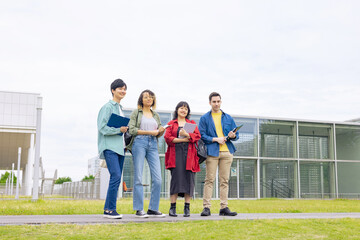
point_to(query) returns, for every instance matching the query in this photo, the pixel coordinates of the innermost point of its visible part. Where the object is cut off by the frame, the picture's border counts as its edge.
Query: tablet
(237, 128)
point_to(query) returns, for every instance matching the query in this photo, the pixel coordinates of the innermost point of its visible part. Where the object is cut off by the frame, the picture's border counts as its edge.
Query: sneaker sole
(157, 216)
(144, 216)
(113, 217)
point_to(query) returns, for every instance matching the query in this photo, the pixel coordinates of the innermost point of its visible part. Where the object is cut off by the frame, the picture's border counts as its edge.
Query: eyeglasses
(148, 97)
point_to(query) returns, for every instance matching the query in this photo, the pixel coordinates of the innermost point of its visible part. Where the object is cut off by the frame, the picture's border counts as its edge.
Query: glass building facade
(280, 158)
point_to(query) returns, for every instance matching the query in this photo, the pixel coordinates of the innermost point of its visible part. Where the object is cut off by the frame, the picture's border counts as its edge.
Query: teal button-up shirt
(108, 137)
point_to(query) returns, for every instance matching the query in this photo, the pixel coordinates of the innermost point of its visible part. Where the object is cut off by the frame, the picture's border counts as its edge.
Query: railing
(87, 190)
(7, 189)
(330, 195)
(278, 189)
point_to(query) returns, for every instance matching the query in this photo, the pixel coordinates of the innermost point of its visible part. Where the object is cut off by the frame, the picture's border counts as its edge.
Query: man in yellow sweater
(216, 131)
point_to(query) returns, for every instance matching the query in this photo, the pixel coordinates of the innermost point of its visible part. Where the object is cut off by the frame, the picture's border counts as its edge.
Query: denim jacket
(208, 132)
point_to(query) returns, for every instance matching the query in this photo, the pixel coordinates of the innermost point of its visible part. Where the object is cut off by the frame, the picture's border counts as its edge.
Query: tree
(62, 180)
(5, 176)
(88, 178)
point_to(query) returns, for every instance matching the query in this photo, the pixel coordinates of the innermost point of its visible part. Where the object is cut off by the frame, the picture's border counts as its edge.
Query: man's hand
(220, 140)
(231, 134)
(123, 129)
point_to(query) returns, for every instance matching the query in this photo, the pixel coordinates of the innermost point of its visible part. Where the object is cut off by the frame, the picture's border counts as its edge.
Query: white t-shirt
(123, 115)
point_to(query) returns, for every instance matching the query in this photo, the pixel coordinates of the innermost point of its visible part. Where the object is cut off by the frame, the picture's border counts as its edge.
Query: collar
(176, 120)
(115, 103)
(140, 110)
(223, 113)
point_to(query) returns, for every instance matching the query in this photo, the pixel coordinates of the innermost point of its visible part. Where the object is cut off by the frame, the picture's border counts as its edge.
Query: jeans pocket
(139, 141)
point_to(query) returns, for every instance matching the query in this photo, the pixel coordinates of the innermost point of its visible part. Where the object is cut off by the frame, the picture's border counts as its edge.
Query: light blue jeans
(145, 146)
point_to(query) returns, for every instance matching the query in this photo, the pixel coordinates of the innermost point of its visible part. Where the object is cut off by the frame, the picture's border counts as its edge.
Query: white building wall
(18, 116)
(18, 109)
(93, 165)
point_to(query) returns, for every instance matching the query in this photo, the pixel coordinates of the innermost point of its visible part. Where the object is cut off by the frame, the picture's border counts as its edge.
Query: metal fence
(83, 190)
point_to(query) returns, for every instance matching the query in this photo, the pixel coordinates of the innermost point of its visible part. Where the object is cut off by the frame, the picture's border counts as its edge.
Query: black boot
(187, 210)
(226, 212)
(172, 211)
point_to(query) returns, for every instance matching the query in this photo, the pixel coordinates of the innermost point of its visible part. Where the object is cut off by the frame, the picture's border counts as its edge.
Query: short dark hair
(214, 94)
(117, 83)
(140, 100)
(179, 105)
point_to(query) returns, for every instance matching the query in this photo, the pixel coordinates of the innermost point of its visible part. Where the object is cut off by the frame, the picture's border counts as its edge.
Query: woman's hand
(185, 139)
(180, 140)
(154, 133)
(161, 131)
(183, 133)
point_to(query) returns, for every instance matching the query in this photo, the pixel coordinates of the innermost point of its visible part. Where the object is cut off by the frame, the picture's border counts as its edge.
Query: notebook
(117, 121)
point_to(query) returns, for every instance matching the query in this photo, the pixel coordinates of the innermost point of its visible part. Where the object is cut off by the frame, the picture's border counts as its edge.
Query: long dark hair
(179, 105)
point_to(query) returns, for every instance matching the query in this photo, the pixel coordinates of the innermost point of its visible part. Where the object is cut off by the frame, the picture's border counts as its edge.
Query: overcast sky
(287, 59)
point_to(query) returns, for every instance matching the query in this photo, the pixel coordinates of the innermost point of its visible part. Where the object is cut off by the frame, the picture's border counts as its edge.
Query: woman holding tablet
(181, 156)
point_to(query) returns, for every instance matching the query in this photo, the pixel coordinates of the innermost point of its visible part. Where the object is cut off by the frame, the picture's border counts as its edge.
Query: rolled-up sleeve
(169, 136)
(133, 129)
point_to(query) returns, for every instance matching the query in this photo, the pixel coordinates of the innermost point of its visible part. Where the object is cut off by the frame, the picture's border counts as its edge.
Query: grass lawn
(226, 229)
(55, 207)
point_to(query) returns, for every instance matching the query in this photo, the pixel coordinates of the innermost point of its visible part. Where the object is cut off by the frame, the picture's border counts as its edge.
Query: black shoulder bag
(127, 136)
(201, 151)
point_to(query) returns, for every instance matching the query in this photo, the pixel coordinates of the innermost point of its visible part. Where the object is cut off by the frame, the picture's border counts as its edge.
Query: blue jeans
(115, 163)
(145, 146)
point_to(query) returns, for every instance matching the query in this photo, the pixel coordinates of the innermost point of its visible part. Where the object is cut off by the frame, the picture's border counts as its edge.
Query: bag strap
(137, 116)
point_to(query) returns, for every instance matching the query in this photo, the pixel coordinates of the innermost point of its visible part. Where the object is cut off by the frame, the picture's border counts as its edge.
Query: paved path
(99, 219)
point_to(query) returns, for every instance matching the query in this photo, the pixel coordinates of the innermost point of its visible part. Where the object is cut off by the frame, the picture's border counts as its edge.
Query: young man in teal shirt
(111, 145)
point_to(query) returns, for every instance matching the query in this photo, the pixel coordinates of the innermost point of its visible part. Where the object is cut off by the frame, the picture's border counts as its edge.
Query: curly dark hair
(140, 100)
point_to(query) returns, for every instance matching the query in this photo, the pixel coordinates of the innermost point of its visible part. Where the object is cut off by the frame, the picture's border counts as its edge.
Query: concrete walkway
(127, 218)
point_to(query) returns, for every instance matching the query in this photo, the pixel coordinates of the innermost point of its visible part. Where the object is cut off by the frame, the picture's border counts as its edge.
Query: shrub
(62, 180)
